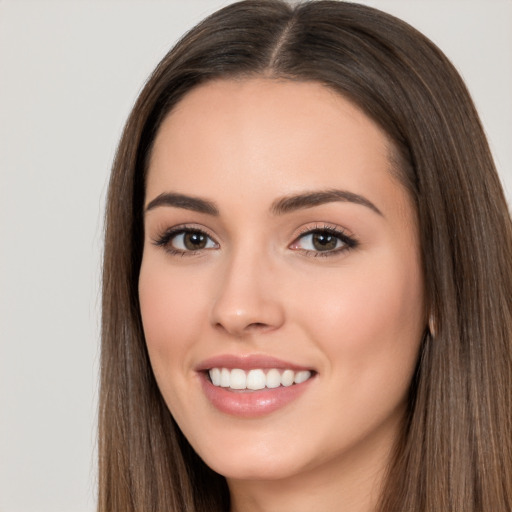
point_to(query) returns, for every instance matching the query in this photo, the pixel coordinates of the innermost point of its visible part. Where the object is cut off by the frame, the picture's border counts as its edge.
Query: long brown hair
(455, 449)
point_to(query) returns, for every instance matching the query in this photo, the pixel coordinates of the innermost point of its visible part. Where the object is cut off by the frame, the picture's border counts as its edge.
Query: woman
(307, 276)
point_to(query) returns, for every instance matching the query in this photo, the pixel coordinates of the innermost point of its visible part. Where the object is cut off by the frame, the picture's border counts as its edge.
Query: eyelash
(349, 242)
(165, 239)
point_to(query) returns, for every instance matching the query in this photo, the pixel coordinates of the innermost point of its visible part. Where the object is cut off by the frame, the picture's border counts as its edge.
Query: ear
(432, 325)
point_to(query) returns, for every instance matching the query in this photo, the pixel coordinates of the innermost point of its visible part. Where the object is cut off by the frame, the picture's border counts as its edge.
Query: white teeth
(215, 376)
(273, 379)
(301, 377)
(257, 378)
(225, 375)
(238, 379)
(287, 378)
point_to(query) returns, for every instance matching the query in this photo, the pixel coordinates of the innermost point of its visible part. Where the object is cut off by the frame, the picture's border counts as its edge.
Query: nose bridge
(245, 300)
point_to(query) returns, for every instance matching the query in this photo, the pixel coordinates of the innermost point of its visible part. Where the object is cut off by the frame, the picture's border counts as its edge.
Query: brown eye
(321, 241)
(187, 241)
(194, 240)
(324, 241)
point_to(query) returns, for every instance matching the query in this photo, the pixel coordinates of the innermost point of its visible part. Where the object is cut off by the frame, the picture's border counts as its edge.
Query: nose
(247, 300)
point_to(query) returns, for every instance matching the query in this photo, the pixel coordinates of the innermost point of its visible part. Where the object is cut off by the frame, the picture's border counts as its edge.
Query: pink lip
(247, 362)
(250, 404)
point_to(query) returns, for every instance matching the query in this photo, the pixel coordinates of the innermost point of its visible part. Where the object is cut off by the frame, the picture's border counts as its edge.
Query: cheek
(172, 310)
(370, 327)
(371, 316)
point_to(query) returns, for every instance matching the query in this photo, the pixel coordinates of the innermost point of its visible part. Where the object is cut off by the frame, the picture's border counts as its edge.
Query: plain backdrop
(69, 74)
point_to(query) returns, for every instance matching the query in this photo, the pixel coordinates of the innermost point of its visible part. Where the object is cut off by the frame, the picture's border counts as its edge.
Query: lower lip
(252, 404)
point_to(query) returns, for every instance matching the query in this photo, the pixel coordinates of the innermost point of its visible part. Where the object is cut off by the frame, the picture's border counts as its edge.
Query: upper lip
(247, 362)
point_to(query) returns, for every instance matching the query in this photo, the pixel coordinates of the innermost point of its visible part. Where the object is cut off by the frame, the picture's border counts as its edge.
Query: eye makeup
(319, 240)
(185, 240)
(323, 241)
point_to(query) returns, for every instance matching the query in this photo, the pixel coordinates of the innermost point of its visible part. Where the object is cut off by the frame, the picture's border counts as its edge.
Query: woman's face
(281, 254)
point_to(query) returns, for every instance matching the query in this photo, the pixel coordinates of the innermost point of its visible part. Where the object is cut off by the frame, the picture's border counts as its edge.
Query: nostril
(242, 330)
(258, 326)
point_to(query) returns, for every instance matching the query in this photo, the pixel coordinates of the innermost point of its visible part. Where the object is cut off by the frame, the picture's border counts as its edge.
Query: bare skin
(331, 283)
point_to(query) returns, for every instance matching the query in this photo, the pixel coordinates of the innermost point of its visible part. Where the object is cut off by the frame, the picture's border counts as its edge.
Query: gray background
(69, 73)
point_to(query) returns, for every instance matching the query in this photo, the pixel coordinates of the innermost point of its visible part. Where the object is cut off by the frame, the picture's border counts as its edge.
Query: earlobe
(432, 326)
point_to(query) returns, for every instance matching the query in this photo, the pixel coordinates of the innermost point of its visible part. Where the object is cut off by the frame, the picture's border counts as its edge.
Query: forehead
(277, 136)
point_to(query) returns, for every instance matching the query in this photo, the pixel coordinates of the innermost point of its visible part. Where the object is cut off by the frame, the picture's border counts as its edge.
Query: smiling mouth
(237, 379)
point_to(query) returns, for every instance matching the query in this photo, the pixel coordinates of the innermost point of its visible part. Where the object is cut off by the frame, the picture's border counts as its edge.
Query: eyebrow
(195, 204)
(281, 206)
(310, 199)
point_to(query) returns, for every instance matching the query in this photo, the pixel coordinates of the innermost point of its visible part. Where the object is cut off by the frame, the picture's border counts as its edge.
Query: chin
(268, 468)
(253, 461)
